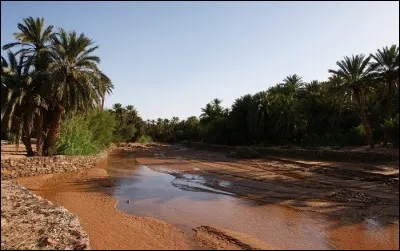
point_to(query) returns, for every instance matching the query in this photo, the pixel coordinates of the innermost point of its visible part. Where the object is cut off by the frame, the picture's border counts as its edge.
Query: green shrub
(354, 137)
(144, 139)
(12, 138)
(85, 135)
(75, 137)
(125, 133)
(102, 124)
(392, 128)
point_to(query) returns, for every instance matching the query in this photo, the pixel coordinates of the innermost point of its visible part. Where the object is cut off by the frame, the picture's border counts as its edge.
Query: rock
(30, 222)
(32, 166)
(128, 201)
(50, 241)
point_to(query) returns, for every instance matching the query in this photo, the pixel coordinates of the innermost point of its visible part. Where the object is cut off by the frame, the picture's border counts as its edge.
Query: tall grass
(85, 135)
(144, 139)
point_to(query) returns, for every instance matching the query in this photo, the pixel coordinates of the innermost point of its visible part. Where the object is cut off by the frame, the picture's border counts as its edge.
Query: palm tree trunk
(388, 113)
(18, 134)
(54, 132)
(102, 102)
(39, 134)
(27, 130)
(363, 117)
(9, 122)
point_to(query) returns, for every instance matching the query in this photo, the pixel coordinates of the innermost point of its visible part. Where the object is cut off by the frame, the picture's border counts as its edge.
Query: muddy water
(186, 201)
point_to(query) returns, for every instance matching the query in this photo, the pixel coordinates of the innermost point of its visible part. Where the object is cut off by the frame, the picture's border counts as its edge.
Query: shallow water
(186, 201)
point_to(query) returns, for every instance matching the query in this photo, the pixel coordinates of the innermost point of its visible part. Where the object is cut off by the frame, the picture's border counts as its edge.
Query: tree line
(358, 104)
(53, 90)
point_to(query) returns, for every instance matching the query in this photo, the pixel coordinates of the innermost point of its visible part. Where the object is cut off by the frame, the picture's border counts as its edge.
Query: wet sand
(362, 217)
(85, 195)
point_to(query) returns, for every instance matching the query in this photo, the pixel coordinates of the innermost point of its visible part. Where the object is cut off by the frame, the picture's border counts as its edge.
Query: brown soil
(228, 239)
(10, 150)
(285, 180)
(349, 192)
(107, 227)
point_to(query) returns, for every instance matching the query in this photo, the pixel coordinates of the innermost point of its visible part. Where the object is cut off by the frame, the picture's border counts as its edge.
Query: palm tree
(154, 127)
(207, 112)
(386, 66)
(292, 83)
(11, 81)
(17, 99)
(355, 76)
(34, 39)
(285, 119)
(261, 112)
(119, 113)
(212, 110)
(76, 82)
(130, 108)
(242, 114)
(107, 86)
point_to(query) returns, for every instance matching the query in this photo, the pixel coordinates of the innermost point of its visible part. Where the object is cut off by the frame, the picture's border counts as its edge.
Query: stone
(31, 166)
(46, 226)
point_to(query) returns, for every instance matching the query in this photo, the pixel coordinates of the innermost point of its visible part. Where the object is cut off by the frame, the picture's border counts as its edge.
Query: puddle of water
(195, 183)
(185, 200)
(187, 203)
(224, 183)
(159, 155)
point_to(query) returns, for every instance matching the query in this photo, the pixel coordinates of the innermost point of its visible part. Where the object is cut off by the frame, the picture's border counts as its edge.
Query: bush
(12, 138)
(144, 139)
(354, 137)
(392, 128)
(85, 135)
(125, 133)
(102, 125)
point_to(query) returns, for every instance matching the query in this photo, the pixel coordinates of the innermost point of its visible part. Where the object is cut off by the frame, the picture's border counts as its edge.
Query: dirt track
(342, 191)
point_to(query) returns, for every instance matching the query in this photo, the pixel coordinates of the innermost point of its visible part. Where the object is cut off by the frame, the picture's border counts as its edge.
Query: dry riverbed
(298, 191)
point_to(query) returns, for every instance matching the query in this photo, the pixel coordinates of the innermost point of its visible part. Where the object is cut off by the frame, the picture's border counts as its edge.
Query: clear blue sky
(171, 58)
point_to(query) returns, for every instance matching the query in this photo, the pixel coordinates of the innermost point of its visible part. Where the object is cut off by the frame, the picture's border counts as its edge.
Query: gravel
(31, 222)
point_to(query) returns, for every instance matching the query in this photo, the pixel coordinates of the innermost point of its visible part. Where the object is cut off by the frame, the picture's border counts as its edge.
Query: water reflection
(187, 201)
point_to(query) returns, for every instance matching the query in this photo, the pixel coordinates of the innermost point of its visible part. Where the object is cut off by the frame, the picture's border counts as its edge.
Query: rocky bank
(30, 222)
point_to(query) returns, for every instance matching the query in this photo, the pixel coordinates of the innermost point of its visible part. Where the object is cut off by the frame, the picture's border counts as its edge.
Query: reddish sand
(327, 190)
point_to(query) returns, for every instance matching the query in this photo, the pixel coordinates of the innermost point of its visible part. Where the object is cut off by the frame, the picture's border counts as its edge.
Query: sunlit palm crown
(77, 83)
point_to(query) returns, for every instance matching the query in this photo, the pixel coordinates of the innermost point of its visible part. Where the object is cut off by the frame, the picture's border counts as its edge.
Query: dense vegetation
(86, 134)
(52, 89)
(129, 127)
(357, 105)
(52, 76)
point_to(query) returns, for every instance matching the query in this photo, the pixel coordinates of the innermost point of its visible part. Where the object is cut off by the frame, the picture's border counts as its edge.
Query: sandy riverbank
(332, 192)
(85, 194)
